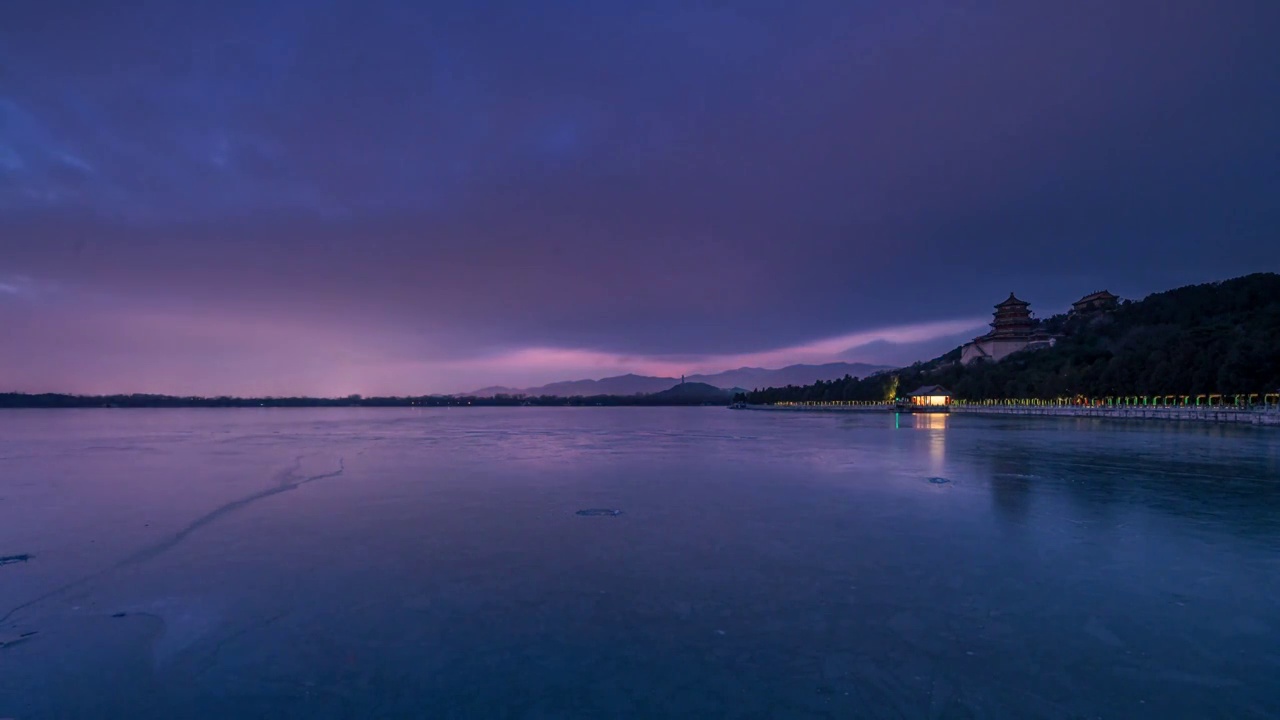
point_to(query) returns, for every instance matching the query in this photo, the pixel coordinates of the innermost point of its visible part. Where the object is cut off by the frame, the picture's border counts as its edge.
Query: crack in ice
(285, 481)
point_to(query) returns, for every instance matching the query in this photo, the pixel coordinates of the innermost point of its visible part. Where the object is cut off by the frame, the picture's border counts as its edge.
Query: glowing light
(931, 400)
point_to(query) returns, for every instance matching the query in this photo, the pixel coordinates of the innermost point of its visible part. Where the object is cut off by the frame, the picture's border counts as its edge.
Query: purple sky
(312, 197)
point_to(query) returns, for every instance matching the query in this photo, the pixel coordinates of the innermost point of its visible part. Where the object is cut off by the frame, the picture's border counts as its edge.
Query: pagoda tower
(1012, 330)
(1012, 319)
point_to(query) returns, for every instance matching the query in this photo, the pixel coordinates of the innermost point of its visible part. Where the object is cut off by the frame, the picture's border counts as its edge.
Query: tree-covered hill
(1219, 337)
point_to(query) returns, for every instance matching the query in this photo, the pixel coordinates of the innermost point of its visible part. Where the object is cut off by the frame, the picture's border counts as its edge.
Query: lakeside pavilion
(930, 398)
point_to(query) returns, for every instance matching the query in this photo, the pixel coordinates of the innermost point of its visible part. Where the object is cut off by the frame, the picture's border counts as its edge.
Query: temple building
(1013, 330)
(930, 398)
(1100, 301)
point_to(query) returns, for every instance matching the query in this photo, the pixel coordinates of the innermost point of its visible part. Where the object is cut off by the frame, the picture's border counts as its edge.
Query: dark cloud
(679, 179)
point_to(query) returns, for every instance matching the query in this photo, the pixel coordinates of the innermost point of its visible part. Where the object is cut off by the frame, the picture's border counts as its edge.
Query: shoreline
(1267, 417)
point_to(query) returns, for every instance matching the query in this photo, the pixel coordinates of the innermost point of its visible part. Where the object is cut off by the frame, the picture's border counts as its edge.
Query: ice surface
(320, 563)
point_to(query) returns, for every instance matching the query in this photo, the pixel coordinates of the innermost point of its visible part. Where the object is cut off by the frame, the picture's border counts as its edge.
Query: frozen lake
(326, 563)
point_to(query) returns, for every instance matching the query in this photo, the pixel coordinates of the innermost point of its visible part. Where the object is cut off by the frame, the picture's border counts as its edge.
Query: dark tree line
(1213, 338)
(54, 400)
(876, 388)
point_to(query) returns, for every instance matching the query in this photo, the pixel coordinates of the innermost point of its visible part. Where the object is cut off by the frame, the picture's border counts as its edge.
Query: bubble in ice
(939, 480)
(592, 512)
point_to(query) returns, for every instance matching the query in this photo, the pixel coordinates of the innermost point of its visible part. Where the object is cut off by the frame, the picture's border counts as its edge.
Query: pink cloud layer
(60, 342)
(565, 362)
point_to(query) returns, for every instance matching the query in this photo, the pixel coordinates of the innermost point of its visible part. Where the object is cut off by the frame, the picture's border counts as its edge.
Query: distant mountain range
(744, 377)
